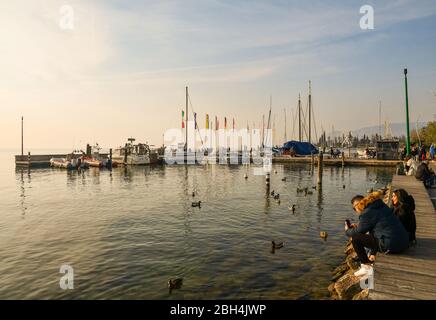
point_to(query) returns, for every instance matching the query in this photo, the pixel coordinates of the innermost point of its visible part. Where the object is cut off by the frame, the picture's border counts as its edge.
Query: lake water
(127, 232)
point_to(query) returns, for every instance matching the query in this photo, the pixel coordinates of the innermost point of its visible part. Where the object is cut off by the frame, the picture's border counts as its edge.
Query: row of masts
(264, 138)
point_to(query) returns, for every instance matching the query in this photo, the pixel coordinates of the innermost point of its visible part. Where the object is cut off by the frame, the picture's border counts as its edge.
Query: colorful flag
(207, 121)
(183, 117)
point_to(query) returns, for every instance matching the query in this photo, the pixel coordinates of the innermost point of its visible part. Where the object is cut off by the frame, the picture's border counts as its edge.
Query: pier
(411, 275)
(38, 161)
(339, 161)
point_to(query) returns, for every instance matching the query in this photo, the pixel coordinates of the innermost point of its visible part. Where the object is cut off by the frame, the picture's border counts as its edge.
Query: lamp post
(407, 113)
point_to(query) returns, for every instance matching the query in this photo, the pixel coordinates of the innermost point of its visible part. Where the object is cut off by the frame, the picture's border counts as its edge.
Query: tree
(428, 133)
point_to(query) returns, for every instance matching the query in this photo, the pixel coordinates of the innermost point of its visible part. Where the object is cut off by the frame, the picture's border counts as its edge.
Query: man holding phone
(378, 229)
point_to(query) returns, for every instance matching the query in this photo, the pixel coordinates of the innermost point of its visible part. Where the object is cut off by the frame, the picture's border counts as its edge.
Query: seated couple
(380, 228)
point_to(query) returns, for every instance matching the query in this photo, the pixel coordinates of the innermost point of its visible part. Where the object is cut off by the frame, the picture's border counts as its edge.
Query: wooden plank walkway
(338, 161)
(411, 275)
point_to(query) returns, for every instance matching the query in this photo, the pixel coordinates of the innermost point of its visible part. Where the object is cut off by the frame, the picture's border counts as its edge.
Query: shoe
(364, 270)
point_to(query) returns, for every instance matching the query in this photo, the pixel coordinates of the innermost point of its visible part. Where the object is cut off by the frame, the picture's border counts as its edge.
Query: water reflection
(138, 230)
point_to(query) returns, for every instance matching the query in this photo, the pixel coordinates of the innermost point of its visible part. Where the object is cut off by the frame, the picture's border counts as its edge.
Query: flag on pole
(233, 123)
(183, 119)
(207, 121)
(216, 123)
(195, 119)
(225, 122)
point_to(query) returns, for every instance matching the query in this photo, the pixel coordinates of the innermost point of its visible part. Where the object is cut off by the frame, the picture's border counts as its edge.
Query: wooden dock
(36, 160)
(42, 160)
(338, 161)
(411, 275)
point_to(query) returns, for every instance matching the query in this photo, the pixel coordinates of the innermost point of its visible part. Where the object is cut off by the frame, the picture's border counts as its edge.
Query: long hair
(404, 198)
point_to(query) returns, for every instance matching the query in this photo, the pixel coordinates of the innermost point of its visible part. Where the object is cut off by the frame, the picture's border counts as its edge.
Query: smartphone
(348, 222)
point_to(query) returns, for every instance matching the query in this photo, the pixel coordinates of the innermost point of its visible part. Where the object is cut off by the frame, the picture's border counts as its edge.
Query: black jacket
(381, 222)
(423, 172)
(405, 213)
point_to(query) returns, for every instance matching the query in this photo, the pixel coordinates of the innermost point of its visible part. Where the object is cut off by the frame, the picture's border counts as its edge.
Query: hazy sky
(123, 69)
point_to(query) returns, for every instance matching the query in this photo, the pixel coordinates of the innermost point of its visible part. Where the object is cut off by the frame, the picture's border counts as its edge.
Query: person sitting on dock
(378, 229)
(426, 175)
(411, 166)
(404, 209)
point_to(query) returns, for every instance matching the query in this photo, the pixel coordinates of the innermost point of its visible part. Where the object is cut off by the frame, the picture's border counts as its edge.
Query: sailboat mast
(379, 120)
(310, 111)
(187, 114)
(299, 118)
(286, 136)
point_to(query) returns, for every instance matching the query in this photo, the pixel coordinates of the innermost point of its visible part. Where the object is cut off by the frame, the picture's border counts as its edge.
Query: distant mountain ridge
(398, 129)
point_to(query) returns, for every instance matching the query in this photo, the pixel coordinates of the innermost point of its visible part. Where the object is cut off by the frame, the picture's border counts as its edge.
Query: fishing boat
(133, 154)
(94, 160)
(62, 163)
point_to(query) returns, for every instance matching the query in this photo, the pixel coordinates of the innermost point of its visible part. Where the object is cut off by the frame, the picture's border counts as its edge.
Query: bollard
(110, 159)
(320, 164)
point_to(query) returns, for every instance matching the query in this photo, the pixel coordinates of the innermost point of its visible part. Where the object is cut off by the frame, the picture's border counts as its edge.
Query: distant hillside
(398, 129)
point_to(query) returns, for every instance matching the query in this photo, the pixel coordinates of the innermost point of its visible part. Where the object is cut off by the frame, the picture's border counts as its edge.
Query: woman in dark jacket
(404, 209)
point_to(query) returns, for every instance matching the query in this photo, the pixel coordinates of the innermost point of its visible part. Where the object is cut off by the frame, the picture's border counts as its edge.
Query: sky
(122, 69)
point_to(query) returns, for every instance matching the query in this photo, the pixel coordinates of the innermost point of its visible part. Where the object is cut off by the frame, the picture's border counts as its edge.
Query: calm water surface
(127, 232)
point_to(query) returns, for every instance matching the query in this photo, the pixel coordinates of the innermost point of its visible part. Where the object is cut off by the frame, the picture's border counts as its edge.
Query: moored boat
(132, 154)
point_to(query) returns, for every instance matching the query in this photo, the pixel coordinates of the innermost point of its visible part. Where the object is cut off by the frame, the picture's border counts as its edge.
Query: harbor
(219, 155)
(133, 214)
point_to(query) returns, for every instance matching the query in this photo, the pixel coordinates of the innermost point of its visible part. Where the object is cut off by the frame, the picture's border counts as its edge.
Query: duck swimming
(272, 193)
(284, 179)
(196, 204)
(292, 208)
(278, 245)
(323, 234)
(175, 283)
(277, 196)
